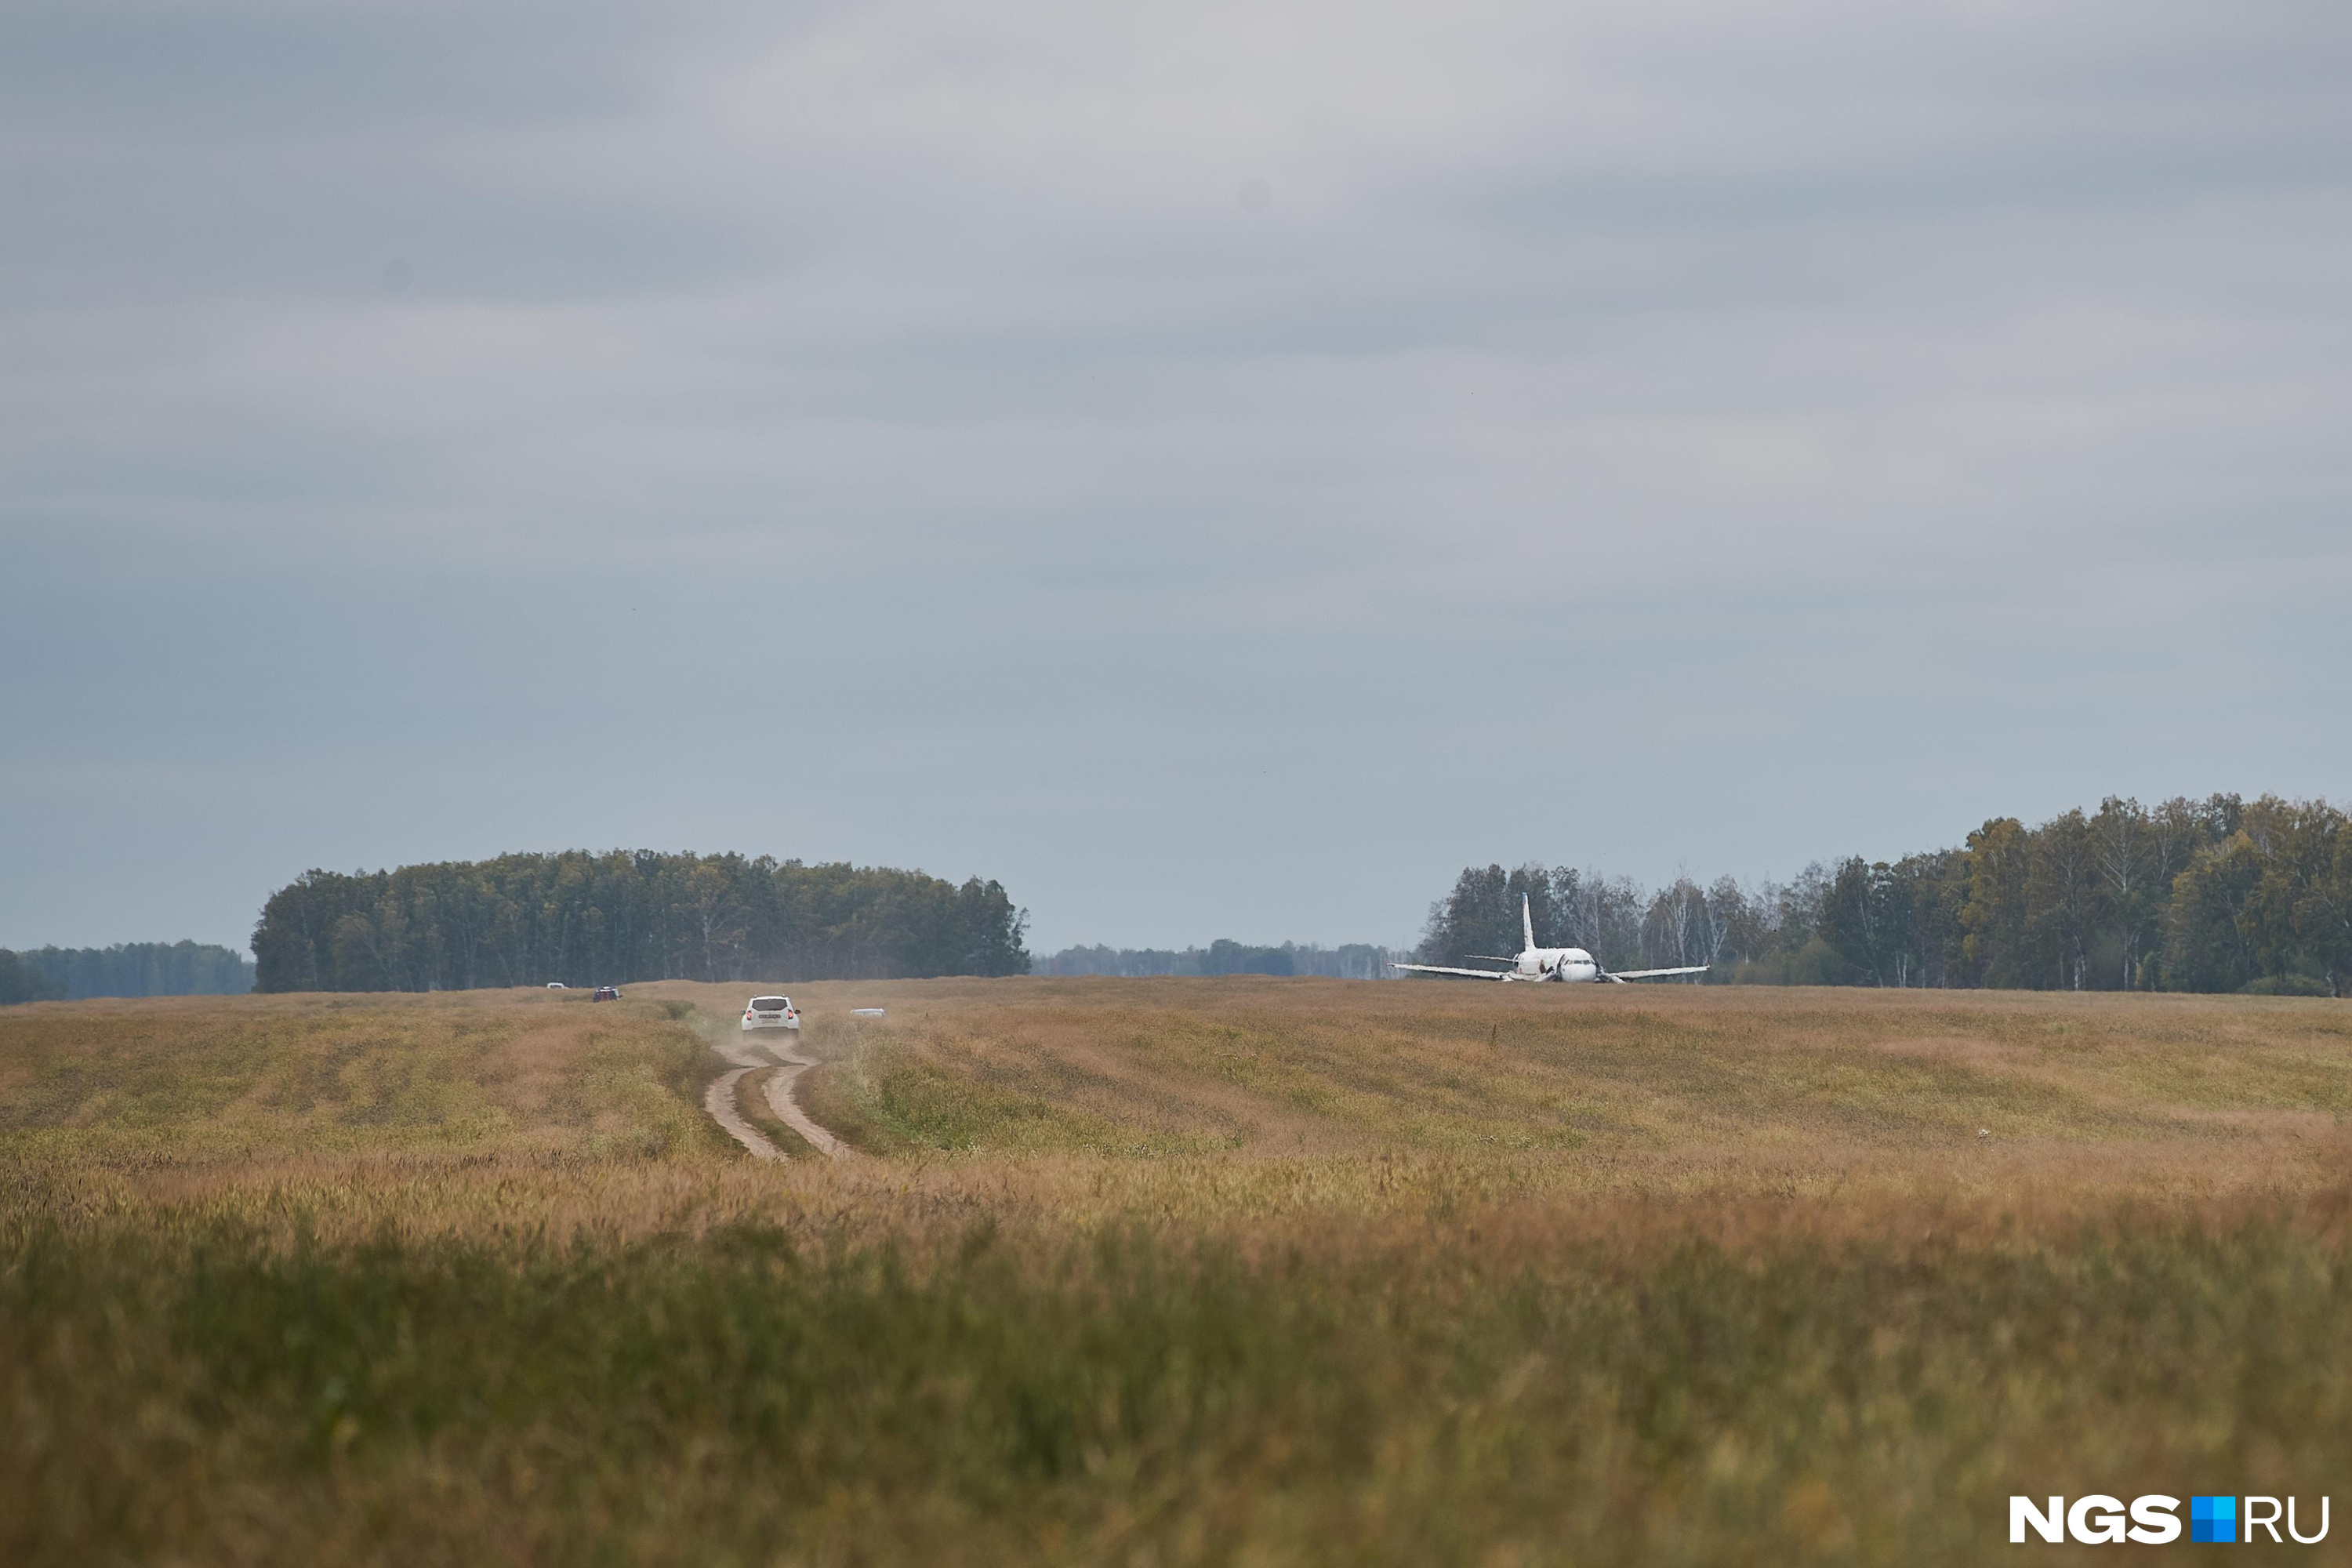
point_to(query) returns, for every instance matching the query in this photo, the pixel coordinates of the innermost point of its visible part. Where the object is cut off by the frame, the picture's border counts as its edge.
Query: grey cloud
(1645, 436)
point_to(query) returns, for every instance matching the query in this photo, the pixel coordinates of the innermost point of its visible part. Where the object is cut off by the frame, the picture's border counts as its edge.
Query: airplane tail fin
(1528, 921)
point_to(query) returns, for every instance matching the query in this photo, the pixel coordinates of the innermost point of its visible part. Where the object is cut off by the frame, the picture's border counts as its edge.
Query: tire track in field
(783, 1101)
(718, 1099)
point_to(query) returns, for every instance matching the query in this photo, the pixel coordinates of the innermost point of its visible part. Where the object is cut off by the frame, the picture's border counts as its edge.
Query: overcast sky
(1218, 468)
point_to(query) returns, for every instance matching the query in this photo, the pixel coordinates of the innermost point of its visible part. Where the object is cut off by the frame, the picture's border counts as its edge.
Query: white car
(770, 1013)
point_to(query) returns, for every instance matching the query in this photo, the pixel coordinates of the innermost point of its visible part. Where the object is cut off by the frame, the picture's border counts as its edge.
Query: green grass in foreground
(210, 1393)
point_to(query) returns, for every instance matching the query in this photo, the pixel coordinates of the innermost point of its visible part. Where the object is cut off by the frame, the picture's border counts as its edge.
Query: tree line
(2219, 894)
(126, 969)
(1349, 961)
(587, 919)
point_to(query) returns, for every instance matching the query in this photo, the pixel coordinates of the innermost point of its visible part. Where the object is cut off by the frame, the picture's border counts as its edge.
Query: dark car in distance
(606, 994)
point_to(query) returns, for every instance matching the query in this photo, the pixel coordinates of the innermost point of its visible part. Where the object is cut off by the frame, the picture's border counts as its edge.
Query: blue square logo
(2212, 1519)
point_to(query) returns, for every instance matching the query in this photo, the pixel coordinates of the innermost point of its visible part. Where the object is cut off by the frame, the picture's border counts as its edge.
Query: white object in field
(1984, 1131)
(1549, 962)
(865, 1012)
(770, 1013)
(557, 985)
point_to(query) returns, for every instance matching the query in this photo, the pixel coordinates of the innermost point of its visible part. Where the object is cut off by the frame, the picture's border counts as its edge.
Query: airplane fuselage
(1553, 963)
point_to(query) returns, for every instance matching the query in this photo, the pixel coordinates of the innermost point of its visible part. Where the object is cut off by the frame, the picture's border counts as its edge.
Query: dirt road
(781, 1100)
(720, 1099)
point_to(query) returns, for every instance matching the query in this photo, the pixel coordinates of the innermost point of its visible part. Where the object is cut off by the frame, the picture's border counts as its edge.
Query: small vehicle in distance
(606, 994)
(770, 1013)
(557, 985)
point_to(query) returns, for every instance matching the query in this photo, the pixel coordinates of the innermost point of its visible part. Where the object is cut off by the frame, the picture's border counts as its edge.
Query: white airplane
(1549, 962)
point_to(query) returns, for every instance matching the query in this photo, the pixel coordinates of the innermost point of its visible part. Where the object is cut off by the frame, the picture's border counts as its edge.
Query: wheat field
(1237, 1270)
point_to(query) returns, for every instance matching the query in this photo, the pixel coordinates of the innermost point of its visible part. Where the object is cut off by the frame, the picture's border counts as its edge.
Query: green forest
(2218, 894)
(627, 915)
(126, 969)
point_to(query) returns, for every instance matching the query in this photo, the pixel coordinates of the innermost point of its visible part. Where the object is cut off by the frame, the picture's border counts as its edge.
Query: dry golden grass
(1091, 1101)
(1162, 1271)
(1683, 1086)
(201, 1079)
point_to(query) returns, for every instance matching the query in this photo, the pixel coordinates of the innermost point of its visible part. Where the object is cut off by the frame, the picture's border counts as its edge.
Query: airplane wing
(1441, 969)
(1652, 974)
